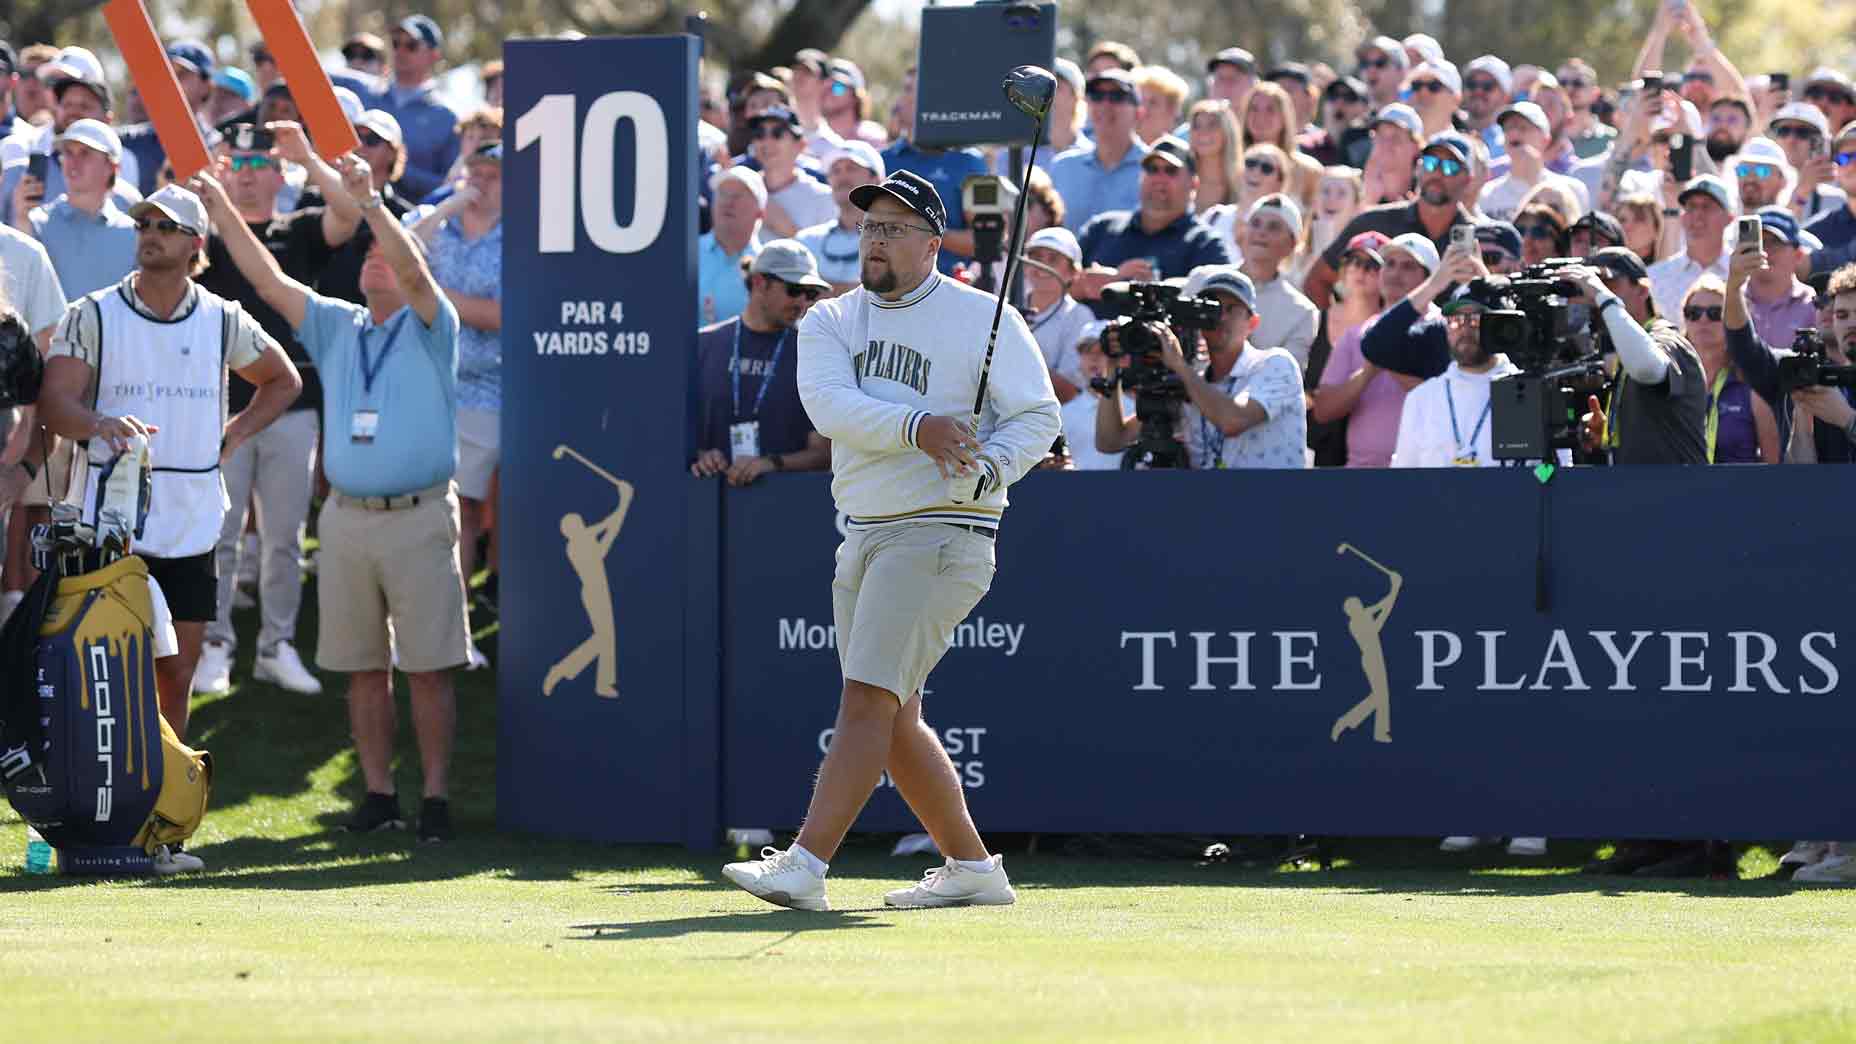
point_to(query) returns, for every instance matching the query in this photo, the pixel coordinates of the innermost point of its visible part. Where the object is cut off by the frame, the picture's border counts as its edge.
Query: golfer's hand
(117, 431)
(709, 462)
(950, 444)
(973, 486)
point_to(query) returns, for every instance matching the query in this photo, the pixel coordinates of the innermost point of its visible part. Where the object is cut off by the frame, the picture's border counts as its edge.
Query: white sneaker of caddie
(169, 861)
(1832, 869)
(781, 878)
(214, 672)
(1527, 846)
(1465, 843)
(1805, 853)
(951, 884)
(284, 668)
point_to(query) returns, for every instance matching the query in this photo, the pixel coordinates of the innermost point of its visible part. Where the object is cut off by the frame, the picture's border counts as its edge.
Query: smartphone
(1780, 81)
(1652, 82)
(1751, 230)
(38, 164)
(1463, 237)
(1681, 158)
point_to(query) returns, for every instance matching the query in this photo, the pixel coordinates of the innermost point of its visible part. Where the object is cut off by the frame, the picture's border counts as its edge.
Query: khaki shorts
(898, 594)
(479, 450)
(399, 566)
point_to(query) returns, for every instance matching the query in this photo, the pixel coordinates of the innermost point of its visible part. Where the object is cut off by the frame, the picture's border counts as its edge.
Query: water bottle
(746, 840)
(38, 852)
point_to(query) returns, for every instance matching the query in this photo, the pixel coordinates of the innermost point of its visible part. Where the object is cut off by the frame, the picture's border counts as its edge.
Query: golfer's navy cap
(909, 189)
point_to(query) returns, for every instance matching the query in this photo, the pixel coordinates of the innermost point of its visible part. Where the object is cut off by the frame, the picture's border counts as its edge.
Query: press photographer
(1532, 318)
(1814, 420)
(1657, 407)
(1245, 411)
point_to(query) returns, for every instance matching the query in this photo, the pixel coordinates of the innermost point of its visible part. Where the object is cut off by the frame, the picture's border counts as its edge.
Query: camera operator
(1658, 405)
(1805, 439)
(1057, 320)
(1246, 410)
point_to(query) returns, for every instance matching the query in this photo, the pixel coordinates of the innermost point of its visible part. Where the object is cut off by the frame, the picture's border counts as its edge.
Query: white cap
(859, 152)
(1496, 68)
(75, 62)
(178, 204)
(1426, 45)
(1280, 205)
(1446, 73)
(1803, 112)
(750, 178)
(1059, 239)
(97, 135)
(1418, 247)
(1764, 150)
(382, 124)
(789, 261)
(1530, 112)
(351, 103)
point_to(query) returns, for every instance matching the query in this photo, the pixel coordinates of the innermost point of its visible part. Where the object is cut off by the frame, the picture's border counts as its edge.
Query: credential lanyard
(1215, 454)
(1713, 425)
(371, 369)
(773, 366)
(1456, 434)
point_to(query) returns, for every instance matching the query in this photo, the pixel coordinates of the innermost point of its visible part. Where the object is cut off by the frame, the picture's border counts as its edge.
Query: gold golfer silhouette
(1364, 623)
(587, 547)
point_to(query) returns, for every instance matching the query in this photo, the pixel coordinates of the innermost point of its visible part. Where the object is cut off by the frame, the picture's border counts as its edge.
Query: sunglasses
(1695, 314)
(810, 293)
(404, 44)
(840, 88)
(1574, 82)
(369, 139)
(1375, 63)
(1435, 164)
(251, 163)
(1537, 231)
(262, 58)
(1481, 85)
(1491, 258)
(1698, 77)
(1163, 168)
(776, 132)
(1261, 166)
(1829, 95)
(1756, 170)
(1429, 86)
(361, 54)
(1117, 97)
(1844, 158)
(1794, 130)
(162, 225)
(1463, 320)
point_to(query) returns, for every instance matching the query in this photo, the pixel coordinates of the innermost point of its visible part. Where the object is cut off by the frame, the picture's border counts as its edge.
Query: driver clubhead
(1030, 89)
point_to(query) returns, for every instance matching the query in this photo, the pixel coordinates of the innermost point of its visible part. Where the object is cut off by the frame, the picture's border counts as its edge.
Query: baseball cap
(1290, 71)
(383, 124)
(846, 70)
(1091, 332)
(1712, 186)
(1402, 115)
(72, 63)
(1763, 150)
(1528, 111)
(97, 135)
(350, 102)
(1426, 45)
(1803, 112)
(1173, 151)
(1419, 247)
(247, 137)
(1367, 245)
(1781, 221)
(1392, 49)
(1601, 226)
(1620, 261)
(96, 87)
(1446, 73)
(1501, 234)
(422, 29)
(1069, 72)
(1497, 70)
(1280, 205)
(779, 114)
(236, 80)
(1461, 301)
(859, 152)
(749, 178)
(1059, 239)
(1120, 78)
(909, 189)
(192, 54)
(1237, 57)
(1453, 143)
(814, 59)
(367, 44)
(1227, 278)
(177, 204)
(1824, 74)
(1352, 85)
(789, 261)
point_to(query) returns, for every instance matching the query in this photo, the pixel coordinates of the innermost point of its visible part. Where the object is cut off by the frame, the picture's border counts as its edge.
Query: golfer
(889, 373)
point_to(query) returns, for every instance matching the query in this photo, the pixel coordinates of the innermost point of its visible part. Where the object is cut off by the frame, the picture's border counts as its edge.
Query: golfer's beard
(882, 284)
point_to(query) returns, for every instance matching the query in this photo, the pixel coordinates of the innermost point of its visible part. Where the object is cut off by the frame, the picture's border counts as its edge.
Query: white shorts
(898, 594)
(479, 451)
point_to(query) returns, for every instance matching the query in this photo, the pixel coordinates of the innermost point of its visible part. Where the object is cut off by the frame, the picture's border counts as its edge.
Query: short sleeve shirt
(1272, 379)
(296, 241)
(1372, 427)
(80, 334)
(474, 267)
(31, 281)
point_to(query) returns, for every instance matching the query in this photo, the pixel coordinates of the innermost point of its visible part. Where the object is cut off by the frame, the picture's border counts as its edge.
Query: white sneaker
(478, 661)
(169, 861)
(9, 602)
(214, 672)
(1832, 869)
(285, 669)
(1805, 853)
(1527, 846)
(1465, 843)
(781, 878)
(951, 884)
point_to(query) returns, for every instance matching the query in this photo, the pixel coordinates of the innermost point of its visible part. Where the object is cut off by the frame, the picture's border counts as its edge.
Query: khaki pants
(898, 594)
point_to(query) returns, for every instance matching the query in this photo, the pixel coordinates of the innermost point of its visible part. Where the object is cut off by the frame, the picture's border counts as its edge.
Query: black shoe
(1632, 856)
(435, 820)
(377, 812)
(1694, 859)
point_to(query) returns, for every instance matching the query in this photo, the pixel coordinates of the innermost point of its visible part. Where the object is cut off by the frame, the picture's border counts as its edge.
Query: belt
(399, 502)
(990, 534)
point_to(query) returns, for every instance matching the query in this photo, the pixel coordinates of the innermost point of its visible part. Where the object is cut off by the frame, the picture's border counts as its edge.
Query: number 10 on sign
(551, 122)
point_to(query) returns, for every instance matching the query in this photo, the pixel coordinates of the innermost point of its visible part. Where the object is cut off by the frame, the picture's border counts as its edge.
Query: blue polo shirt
(1837, 229)
(721, 288)
(414, 389)
(430, 130)
(945, 169)
(1089, 189)
(1109, 239)
(89, 251)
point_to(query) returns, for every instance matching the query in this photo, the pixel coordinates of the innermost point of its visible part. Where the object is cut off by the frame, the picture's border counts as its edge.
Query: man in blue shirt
(945, 169)
(740, 199)
(1159, 239)
(430, 126)
(388, 558)
(1105, 174)
(90, 239)
(1837, 229)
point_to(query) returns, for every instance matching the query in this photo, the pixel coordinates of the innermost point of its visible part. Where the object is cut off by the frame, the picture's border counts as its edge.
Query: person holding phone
(1804, 134)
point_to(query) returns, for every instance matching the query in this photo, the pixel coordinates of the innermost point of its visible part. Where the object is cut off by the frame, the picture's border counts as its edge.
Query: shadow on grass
(793, 923)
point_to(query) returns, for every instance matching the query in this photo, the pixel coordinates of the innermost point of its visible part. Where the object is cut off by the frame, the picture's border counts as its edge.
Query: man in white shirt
(1079, 414)
(1708, 207)
(834, 243)
(1526, 134)
(1285, 318)
(1052, 259)
(795, 200)
(1445, 421)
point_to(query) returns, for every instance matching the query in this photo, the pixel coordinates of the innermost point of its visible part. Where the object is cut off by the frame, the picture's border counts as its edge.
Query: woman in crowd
(1269, 118)
(1341, 195)
(1740, 426)
(1214, 140)
(1543, 233)
(1356, 299)
(1642, 218)
(1266, 170)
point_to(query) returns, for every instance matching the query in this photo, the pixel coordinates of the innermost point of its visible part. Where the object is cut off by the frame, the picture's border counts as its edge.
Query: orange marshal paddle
(329, 129)
(153, 75)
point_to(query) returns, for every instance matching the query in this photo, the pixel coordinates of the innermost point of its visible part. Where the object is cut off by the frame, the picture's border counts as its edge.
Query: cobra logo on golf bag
(99, 656)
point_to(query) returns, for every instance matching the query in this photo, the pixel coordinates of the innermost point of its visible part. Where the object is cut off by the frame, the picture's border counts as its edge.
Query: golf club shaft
(595, 468)
(1011, 265)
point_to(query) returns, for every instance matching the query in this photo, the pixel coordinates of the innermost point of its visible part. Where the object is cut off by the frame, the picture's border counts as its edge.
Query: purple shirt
(1372, 427)
(1777, 322)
